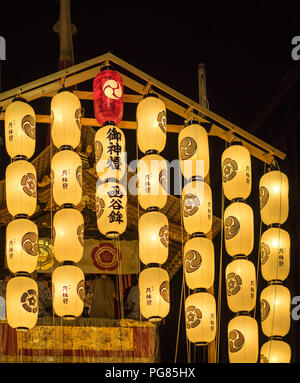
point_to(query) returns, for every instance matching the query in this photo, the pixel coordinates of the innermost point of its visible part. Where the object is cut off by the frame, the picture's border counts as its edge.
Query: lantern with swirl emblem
(108, 96)
(275, 351)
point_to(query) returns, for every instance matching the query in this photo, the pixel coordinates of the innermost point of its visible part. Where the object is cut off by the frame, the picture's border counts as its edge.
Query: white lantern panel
(275, 351)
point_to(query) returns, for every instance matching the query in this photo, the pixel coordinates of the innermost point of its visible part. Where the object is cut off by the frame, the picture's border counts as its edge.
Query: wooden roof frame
(184, 107)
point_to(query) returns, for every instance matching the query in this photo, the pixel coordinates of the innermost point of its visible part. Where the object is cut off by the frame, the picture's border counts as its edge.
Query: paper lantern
(274, 197)
(108, 97)
(152, 173)
(22, 303)
(151, 124)
(20, 129)
(111, 209)
(193, 150)
(199, 263)
(240, 285)
(22, 246)
(275, 254)
(197, 207)
(21, 190)
(275, 351)
(243, 339)
(110, 153)
(68, 291)
(66, 173)
(200, 318)
(275, 304)
(154, 293)
(153, 238)
(68, 235)
(238, 229)
(236, 172)
(66, 119)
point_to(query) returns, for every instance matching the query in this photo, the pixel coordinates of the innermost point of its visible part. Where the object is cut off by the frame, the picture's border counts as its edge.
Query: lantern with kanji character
(275, 351)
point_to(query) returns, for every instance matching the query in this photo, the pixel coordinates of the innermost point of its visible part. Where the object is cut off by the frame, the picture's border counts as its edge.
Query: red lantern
(108, 97)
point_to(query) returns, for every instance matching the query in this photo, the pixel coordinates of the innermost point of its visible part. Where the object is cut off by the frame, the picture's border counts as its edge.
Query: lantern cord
(179, 319)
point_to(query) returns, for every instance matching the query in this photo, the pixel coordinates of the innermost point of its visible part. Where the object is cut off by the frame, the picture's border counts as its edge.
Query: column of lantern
(198, 257)
(110, 154)
(275, 299)
(68, 225)
(21, 200)
(239, 240)
(153, 225)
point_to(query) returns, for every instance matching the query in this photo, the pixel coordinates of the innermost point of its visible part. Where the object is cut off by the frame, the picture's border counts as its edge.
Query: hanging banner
(99, 257)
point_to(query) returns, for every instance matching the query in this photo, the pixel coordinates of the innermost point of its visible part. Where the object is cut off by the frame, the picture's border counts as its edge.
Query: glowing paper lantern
(199, 263)
(200, 318)
(275, 254)
(153, 238)
(68, 291)
(151, 124)
(275, 303)
(152, 173)
(66, 119)
(238, 229)
(236, 172)
(68, 235)
(275, 351)
(110, 153)
(154, 293)
(108, 97)
(274, 197)
(197, 207)
(193, 150)
(21, 303)
(21, 246)
(66, 172)
(21, 192)
(241, 285)
(243, 339)
(20, 129)
(111, 209)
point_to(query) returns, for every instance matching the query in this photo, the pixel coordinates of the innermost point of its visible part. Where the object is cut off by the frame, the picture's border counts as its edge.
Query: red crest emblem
(106, 257)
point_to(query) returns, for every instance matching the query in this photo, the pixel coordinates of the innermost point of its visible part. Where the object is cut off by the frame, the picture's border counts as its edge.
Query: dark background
(247, 52)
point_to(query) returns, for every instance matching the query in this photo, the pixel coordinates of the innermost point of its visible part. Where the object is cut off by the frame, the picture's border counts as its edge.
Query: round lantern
(20, 129)
(275, 351)
(110, 153)
(199, 263)
(200, 318)
(275, 254)
(152, 173)
(111, 209)
(68, 290)
(154, 293)
(153, 238)
(22, 246)
(275, 304)
(22, 303)
(243, 339)
(68, 235)
(66, 172)
(197, 207)
(236, 172)
(151, 124)
(21, 191)
(108, 96)
(240, 285)
(193, 150)
(238, 229)
(66, 119)
(274, 197)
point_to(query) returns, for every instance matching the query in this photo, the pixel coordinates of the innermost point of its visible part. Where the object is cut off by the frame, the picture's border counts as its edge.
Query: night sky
(246, 48)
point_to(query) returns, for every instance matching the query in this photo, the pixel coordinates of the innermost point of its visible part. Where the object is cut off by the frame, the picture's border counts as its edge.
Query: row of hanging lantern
(275, 299)
(198, 257)
(240, 273)
(68, 226)
(153, 226)
(21, 200)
